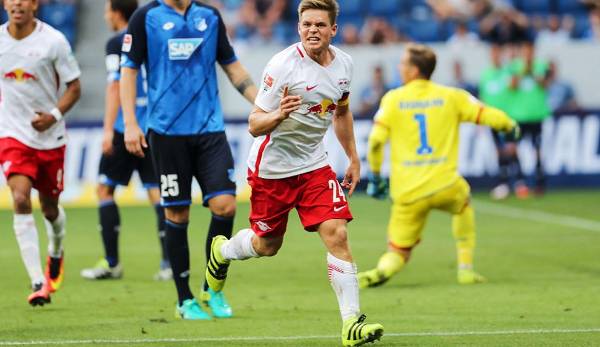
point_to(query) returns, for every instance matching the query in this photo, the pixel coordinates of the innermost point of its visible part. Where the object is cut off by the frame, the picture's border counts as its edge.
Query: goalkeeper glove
(377, 187)
(514, 134)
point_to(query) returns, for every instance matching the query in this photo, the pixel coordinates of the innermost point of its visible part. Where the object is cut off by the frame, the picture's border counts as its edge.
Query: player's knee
(223, 206)
(50, 212)
(105, 192)
(178, 214)
(21, 202)
(224, 210)
(267, 250)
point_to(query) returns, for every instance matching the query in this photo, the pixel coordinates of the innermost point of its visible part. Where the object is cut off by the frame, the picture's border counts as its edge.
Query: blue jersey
(180, 52)
(113, 58)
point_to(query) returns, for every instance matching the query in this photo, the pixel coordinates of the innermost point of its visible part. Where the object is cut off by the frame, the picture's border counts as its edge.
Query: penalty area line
(294, 338)
(500, 210)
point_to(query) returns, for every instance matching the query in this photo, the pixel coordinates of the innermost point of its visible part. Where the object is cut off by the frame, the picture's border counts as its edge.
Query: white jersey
(31, 72)
(296, 145)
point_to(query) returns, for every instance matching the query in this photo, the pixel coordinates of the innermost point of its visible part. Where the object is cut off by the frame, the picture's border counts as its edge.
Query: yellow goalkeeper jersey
(421, 120)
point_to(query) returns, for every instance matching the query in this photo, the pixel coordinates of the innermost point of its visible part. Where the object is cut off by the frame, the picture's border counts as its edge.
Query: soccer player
(179, 41)
(305, 88)
(421, 120)
(117, 164)
(35, 60)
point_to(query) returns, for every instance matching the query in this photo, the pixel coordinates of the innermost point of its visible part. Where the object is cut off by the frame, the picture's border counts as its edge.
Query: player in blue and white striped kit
(180, 42)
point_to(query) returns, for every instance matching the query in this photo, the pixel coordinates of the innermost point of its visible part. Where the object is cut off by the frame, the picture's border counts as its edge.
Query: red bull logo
(20, 75)
(323, 109)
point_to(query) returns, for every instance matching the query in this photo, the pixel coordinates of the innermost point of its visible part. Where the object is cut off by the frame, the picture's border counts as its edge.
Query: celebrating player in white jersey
(305, 88)
(34, 60)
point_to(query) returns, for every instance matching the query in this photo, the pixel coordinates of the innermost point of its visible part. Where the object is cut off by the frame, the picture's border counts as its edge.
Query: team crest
(201, 25)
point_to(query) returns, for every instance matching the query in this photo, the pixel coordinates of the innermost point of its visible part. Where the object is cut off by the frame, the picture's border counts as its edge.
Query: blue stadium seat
(3, 17)
(351, 8)
(385, 7)
(535, 6)
(61, 16)
(425, 30)
(570, 6)
(582, 26)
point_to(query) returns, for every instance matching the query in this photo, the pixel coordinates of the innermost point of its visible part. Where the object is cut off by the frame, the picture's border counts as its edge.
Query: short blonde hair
(423, 57)
(330, 6)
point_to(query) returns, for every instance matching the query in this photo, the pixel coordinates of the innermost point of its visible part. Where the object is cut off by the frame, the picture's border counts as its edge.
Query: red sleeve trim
(478, 119)
(381, 124)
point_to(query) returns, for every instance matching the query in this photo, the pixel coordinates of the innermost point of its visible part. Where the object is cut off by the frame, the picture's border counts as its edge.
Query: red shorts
(316, 195)
(44, 167)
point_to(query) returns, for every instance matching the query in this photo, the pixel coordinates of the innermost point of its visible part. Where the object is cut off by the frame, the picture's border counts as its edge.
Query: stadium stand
(61, 14)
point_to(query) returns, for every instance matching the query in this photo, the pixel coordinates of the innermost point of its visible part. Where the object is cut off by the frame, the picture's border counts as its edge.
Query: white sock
(56, 233)
(342, 276)
(239, 247)
(27, 238)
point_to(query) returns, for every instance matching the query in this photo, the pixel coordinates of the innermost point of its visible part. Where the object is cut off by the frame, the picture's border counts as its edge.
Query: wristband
(55, 112)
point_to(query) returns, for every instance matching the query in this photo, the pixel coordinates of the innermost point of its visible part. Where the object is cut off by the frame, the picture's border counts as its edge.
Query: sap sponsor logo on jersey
(182, 49)
(20, 75)
(127, 41)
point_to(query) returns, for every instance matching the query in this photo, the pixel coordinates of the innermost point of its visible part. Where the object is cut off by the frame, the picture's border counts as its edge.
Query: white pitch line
(295, 338)
(537, 216)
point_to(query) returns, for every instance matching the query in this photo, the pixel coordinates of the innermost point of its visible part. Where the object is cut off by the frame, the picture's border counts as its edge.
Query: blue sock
(179, 256)
(110, 223)
(162, 232)
(219, 225)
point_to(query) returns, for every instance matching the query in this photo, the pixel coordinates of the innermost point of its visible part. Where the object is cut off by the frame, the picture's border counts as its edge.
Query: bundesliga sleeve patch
(127, 41)
(268, 82)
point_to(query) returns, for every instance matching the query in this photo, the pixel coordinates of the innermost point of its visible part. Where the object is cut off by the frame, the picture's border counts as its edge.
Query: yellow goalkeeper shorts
(407, 220)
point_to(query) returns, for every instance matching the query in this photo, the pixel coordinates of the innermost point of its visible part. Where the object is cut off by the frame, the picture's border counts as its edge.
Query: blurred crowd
(393, 21)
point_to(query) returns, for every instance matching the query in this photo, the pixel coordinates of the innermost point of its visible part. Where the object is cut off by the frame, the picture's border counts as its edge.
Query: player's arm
(261, 122)
(66, 68)
(111, 110)
(135, 141)
(378, 138)
(474, 111)
(343, 125)
(241, 80)
(111, 98)
(134, 53)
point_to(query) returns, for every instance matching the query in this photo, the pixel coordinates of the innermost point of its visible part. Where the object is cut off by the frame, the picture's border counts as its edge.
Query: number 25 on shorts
(169, 186)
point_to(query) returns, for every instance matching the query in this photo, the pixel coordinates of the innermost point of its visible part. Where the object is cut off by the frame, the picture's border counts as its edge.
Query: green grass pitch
(543, 289)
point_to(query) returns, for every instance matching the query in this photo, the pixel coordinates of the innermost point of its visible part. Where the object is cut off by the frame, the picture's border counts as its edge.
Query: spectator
(505, 25)
(561, 96)
(350, 35)
(462, 40)
(593, 33)
(371, 95)
(557, 32)
(377, 31)
(459, 79)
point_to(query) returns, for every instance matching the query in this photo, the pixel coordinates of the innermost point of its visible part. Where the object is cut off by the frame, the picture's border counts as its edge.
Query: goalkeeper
(421, 120)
